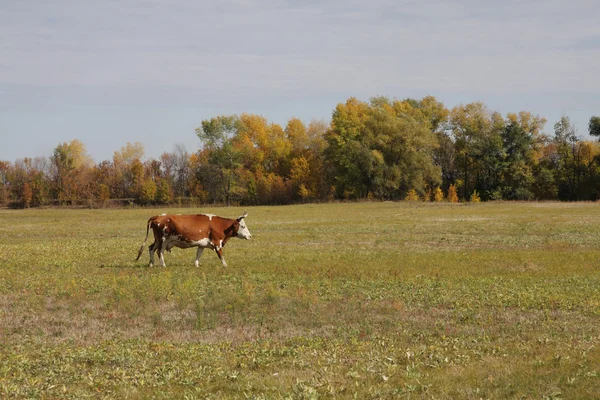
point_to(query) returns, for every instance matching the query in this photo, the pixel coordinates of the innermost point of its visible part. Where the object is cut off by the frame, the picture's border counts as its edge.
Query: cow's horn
(243, 216)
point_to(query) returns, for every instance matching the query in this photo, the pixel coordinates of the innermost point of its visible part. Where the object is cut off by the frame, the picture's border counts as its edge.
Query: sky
(116, 71)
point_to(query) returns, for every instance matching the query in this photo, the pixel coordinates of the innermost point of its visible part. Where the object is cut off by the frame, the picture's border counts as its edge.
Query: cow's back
(188, 227)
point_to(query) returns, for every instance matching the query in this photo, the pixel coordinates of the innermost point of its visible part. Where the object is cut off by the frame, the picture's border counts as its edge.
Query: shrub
(412, 195)
(438, 195)
(452, 195)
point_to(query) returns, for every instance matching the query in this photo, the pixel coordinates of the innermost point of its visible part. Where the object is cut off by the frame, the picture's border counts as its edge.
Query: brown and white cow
(204, 231)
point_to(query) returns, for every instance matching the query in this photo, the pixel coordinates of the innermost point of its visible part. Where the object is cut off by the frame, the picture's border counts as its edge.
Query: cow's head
(243, 232)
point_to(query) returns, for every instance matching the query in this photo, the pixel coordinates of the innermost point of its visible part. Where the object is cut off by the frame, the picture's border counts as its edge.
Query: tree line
(382, 149)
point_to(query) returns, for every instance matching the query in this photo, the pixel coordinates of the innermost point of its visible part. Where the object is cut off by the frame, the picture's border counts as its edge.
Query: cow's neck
(229, 232)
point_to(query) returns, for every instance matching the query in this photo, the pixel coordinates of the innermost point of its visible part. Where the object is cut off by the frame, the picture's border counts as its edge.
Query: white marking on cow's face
(243, 232)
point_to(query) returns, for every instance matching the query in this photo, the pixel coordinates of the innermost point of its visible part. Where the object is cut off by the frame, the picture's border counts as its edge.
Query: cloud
(305, 46)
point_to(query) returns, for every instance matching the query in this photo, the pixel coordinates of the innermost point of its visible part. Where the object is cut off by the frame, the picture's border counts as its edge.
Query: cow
(204, 231)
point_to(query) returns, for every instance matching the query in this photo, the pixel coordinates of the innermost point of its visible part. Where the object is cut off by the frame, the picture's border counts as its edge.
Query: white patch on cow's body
(182, 243)
(162, 215)
(210, 216)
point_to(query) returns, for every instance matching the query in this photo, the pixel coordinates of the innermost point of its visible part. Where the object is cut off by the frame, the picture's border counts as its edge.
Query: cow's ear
(243, 216)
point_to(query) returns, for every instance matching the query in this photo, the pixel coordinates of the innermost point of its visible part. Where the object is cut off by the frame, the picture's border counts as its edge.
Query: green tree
(164, 193)
(594, 127)
(346, 152)
(146, 192)
(402, 134)
(520, 140)
(382, 148)
(216, 136)
(565, 139)
(478, 146)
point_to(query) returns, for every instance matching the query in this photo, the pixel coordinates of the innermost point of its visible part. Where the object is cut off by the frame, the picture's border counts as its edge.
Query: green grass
(369, 300)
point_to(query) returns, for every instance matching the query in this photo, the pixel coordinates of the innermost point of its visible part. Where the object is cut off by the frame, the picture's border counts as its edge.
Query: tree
(565, 139)
(452, 194)
(67, 159)
(128, 169)
(217, 136)
(146, 192)
(164, 194)
(4, 171)
(346, 151)
(405, 139)
(520, 142)
(412, 195)
(316, 158)
(475, 197)
(478, 146)
(297, 135)
(594, 127)
(176, 168)
(383, 149)
(27, 195)
(103, 194)
(300, 176)
(438, 195)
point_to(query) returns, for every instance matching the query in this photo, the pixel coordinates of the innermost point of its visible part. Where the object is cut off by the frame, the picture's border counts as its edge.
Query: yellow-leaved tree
(412, 195)
(452, 195)
(438, 195)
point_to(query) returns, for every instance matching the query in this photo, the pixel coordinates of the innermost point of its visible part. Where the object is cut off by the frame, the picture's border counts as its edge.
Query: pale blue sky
(111, 72)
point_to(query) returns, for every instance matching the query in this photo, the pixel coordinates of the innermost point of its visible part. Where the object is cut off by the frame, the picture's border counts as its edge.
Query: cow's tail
(144, 244)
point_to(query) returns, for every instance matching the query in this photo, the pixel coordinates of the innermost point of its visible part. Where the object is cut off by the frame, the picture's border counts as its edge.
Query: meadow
(358, 300)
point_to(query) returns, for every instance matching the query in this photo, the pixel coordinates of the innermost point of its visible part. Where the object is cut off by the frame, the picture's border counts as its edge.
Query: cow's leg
(218, 247)
(219, 252)
(198, 254)
(152, 249)
(161, 252)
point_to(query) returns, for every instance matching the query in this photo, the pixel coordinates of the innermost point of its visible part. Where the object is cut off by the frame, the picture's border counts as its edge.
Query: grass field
(368, 301)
